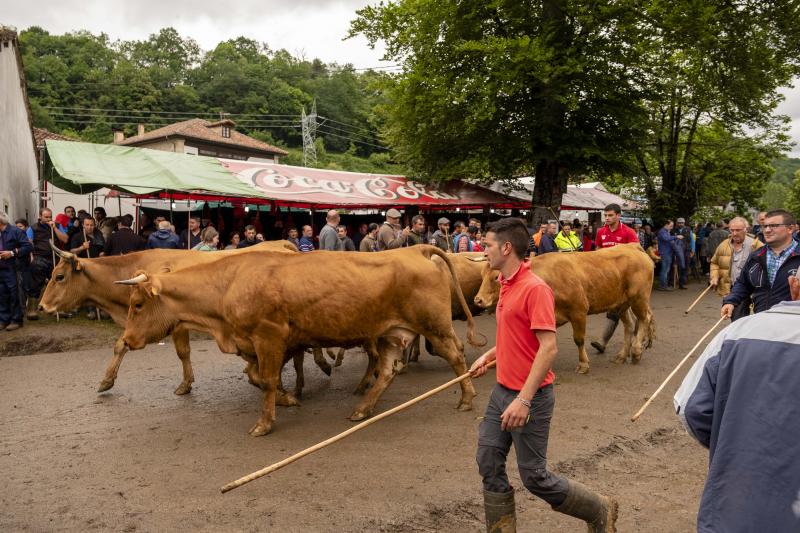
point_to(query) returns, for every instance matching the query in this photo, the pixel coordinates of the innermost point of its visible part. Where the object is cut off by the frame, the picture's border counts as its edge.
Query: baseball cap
(443, 220)
(393, 213)
(681, 220)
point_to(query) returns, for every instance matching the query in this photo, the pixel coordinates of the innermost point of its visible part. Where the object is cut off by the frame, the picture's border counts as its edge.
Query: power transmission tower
(309, 123)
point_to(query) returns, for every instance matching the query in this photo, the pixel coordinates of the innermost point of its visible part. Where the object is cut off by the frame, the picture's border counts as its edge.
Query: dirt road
(139, 458)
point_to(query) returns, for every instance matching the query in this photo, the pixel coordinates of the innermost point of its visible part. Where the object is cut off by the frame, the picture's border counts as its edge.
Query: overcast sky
(313, 28)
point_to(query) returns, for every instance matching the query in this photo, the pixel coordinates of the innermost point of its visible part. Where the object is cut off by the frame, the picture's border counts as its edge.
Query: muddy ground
(138, 458)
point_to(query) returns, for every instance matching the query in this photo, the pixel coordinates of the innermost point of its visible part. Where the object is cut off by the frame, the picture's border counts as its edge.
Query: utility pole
(309, 123)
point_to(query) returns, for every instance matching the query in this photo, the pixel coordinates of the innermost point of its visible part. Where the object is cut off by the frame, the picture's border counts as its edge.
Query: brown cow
(612, 279)
(77, 282)
(270, 306)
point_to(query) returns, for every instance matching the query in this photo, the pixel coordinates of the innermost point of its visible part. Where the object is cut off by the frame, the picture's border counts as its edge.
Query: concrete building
(18, 164)
(202, 137)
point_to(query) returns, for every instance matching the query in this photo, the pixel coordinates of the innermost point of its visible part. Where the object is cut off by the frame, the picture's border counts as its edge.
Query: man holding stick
(521, 404)
(740, 400)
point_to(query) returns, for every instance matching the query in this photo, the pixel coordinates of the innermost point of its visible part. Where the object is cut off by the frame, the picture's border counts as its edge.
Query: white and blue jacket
(741, 400)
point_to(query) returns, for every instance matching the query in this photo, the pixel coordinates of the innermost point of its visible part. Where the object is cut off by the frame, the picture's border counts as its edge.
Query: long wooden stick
(53, 252)
(89, 256)
(276, 466)
(697, 300)
(675, 371)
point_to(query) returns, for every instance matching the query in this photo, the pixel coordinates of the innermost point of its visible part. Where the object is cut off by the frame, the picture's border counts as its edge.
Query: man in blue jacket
(164, 237)
(765, 274)
(14, 243)
(741, 401)
(667, 253)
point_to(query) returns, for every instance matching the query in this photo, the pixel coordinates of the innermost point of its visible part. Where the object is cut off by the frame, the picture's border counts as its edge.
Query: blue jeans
(10, 309)
(666, 269)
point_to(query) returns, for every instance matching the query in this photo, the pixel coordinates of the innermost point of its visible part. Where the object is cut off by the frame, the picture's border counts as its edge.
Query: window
(226, 132)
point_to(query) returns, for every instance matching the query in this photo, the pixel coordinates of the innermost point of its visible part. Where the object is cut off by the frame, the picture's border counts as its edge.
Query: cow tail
(651, 330)
(429, 251)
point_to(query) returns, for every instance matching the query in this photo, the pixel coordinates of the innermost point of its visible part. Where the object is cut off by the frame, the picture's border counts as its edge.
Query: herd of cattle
(269, 304)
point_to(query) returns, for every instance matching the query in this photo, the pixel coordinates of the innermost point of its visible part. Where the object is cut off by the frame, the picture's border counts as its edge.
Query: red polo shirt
(525, 305)
(607, 238)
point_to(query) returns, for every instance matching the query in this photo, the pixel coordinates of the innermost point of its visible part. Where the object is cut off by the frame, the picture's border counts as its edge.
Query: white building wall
(18, 166)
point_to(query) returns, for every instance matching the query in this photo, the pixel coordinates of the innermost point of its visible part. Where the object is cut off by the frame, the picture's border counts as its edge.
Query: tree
(793, 202)
(506, 88)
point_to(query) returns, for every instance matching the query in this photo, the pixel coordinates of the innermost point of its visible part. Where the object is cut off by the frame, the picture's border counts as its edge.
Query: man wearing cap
(684, 253)
(441, 237)
(740, 401)
(390, 236)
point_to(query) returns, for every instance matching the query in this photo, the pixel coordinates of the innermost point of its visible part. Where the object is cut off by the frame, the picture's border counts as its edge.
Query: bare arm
(516, 414)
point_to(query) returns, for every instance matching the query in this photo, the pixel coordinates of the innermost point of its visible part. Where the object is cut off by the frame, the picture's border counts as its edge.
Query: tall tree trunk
(549, 187)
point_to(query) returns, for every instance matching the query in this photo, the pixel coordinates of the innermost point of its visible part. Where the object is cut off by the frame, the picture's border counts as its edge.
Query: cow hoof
(286, 400)
(105, 385)
(183, 388)
(635, 358)
(327, 369)
(597, 346)
(260, 429)
(464, 406)
(619, 360)
(583, 368)
(358, 416)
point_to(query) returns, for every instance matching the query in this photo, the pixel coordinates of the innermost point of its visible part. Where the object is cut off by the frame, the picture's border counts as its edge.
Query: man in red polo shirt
(522, 401)
(612, 234)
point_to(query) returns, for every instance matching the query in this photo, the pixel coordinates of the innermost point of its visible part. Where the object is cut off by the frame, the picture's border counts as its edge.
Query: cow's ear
(155, 287)
(76, 265)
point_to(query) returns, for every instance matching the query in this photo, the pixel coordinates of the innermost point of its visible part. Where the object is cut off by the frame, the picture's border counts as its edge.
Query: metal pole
(52, 251)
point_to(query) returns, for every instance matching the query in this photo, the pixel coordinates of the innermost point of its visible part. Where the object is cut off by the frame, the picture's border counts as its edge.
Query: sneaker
(13, 326)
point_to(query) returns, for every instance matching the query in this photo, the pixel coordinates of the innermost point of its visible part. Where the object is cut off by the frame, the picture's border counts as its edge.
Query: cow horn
(478, 259)
(61, 253)
(133, 281)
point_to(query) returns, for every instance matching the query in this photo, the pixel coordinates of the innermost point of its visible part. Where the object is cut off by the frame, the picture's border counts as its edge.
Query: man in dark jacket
(88, 242)
(684, 251)
(345, 243)
(191, 237)
(249, 237)
(14, 243)
(44, 230)
(124, 240)
(547, 243)
(740, 400)
(164, 237)
(765, 274)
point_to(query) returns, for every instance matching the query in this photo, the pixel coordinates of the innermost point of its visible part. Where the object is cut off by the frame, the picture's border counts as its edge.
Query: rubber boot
(32, 309)
(608, 332)
(501, 515)
(599, 512)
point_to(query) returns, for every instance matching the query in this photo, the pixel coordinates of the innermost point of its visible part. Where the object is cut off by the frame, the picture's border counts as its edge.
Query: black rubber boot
(599, 512)
(608, 332)
(501, 515)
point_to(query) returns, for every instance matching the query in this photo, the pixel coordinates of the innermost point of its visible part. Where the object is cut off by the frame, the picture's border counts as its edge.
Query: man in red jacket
(612, 234)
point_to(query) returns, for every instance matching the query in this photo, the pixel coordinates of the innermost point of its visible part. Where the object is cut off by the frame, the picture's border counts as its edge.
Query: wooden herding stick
(276, 466)
(697, 300)
(52, 251)
(675, 371)
(89, 256)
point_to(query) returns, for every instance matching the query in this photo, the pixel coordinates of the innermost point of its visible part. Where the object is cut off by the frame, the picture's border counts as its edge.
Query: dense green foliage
(85, 85)
(563, 88)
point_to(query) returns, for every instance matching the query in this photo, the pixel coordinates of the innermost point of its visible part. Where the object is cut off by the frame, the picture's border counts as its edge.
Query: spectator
(390, 235)
(547, 243)
(124, 240)
(164, 237)
(758, 229)
(715, 238)
(684, 251)
(99, 216)
(13, 244)
(328, 235)
(209, 240)
(370, 241)
(703, 251)
(363, 229)
(190, 237)
(292, 237)
(475, 238)
(41, 266)
(234, 242)
(306, 241)
(146, 226)
(88, 242)
(345, 242)
(441, 237)
(614, 232)
(566, 240)
(249, 237)
(417, 234)
(474, 223)
(536, 239)
(259, 237)
(587, 238)
(461, 242)
(24, 264)
(665, 238)
(765, 275)
(740, 401)
(22, 223)
(729, 259)
(521, 404)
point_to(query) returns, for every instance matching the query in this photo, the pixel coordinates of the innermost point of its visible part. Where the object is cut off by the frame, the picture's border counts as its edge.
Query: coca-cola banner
(300, 185)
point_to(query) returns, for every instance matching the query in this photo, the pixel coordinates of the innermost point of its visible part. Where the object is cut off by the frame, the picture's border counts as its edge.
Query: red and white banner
(300, 185)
